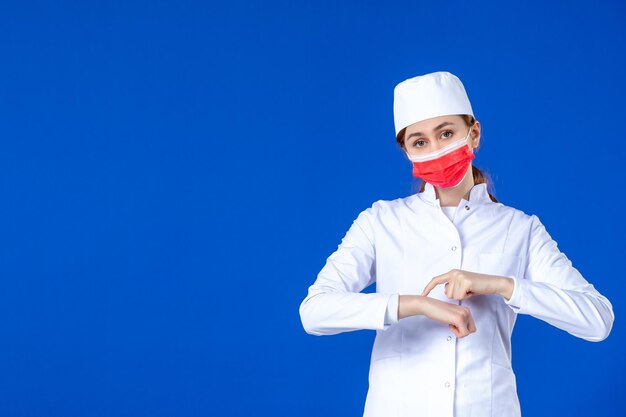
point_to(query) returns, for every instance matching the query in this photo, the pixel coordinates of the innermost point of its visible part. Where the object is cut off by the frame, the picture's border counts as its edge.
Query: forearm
(504, 287)
(333, 312)
(582, 312)
(585, 314)
(410, 305)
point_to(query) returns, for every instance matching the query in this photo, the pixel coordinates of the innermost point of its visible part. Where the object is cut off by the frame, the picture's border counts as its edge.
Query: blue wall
(175, 174)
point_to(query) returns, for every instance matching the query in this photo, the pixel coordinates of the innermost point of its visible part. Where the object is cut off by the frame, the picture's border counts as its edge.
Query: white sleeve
(391, 315)
(335, 303)
(554, 291)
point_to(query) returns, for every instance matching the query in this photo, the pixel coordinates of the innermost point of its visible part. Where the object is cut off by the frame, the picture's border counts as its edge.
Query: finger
(432, 284)
(457, 292)
(460, 292)
(462, 330)
(454, 330)
(464, 319)
(471, 324)
(450, 290)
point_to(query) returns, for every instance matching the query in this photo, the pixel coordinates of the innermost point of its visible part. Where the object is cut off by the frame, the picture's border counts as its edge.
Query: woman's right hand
(458, 318)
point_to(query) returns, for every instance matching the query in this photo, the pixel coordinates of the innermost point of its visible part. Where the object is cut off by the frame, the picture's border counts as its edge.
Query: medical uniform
(418, 366)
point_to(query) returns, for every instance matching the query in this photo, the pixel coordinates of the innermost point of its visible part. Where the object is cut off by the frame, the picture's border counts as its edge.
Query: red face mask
(445, 167)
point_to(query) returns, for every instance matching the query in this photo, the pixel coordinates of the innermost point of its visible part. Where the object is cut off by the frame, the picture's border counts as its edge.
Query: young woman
(453, 267)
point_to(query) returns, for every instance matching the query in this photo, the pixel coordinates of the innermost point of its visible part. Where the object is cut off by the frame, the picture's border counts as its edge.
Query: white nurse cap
(425, 96)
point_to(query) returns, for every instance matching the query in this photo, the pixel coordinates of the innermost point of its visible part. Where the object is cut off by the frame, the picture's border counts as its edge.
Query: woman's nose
(439, 143)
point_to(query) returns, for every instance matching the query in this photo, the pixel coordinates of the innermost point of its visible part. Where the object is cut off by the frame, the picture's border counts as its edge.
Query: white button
(447, 384)
(449, 338)
(453, 247)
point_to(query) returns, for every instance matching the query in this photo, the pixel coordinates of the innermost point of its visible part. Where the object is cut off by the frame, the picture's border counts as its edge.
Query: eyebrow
(436, 128)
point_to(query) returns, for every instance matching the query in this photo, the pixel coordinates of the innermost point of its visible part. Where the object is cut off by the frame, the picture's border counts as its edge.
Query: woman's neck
(452, 196)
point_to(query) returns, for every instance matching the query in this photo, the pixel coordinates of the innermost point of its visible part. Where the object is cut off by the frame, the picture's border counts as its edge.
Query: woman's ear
(476, 135)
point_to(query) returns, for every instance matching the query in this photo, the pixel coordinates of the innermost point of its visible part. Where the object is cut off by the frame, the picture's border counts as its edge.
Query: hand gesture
(461, 285)
(458, 318)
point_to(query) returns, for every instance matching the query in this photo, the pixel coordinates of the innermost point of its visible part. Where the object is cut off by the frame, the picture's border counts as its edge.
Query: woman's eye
(419, 143)
(448, 131)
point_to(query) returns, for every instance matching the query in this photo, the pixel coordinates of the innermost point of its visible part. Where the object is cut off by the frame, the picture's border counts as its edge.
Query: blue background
(175, 174)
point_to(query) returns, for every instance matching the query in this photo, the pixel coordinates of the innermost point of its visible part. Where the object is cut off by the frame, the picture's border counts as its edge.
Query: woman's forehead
(435, 123)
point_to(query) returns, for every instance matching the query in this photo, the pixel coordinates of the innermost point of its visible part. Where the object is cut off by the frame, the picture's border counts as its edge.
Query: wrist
(505, 287)
(410, 305)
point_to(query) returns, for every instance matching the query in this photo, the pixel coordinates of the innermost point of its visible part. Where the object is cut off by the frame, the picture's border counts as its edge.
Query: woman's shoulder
(517, 214)
(388, 211)
(386, 206)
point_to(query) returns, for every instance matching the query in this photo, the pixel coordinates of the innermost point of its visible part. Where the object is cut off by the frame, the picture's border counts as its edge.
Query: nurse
(453, 268)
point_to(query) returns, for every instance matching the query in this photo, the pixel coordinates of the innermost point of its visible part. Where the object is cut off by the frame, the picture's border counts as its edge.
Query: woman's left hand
(461, 284)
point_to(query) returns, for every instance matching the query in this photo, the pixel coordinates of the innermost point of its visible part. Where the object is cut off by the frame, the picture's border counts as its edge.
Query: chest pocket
(502, 264)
